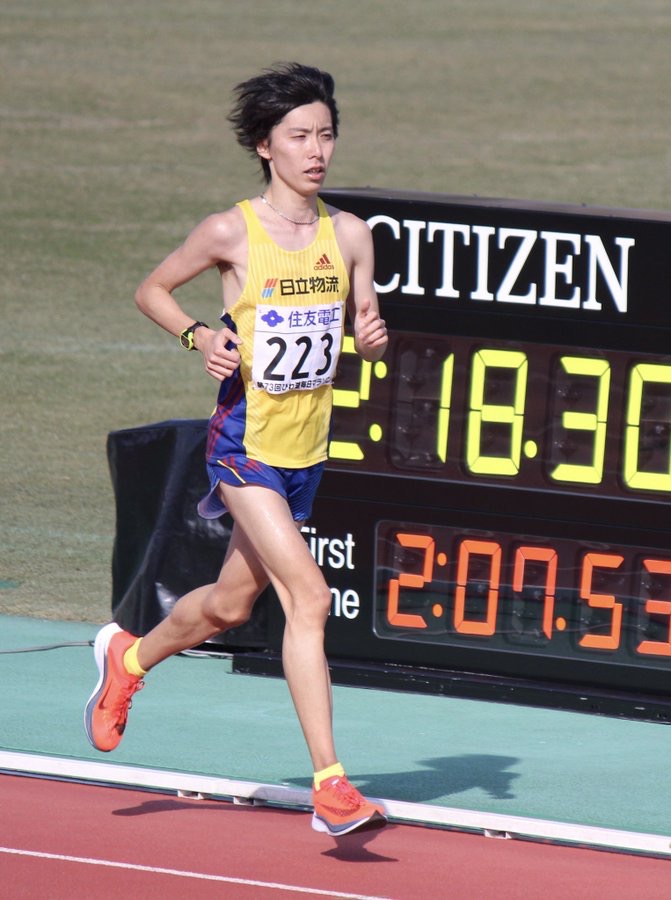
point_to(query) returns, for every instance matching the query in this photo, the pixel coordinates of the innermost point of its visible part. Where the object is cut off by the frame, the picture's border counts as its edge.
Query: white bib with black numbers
(296, 348)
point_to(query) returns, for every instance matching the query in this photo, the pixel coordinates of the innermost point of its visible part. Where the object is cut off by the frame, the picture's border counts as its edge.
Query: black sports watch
(186, 337)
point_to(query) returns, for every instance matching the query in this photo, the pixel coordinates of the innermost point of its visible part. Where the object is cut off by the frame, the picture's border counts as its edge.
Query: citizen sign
(488, 264)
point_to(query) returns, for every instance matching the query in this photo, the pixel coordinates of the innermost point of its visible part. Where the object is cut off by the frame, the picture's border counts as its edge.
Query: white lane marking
(201, 876)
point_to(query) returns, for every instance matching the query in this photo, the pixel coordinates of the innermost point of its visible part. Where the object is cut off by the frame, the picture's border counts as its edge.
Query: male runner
(289, 266)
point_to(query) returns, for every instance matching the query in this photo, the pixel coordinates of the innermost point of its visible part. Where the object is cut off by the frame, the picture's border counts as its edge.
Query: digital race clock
(498, 492)
(538, 416)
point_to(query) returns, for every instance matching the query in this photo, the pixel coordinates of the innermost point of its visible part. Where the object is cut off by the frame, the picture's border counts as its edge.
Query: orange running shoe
(339, 808)
(106, 712)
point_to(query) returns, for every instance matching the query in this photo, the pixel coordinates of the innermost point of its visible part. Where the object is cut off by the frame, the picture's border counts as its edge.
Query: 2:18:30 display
(524, 415)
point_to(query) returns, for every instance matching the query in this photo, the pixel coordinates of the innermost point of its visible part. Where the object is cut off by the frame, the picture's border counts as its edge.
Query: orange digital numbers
(441, 586)
(660, 608)
(409, 580)
(544, 555)
(591, 562)
(491, 551)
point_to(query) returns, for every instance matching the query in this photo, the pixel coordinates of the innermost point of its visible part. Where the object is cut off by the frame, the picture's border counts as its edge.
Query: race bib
(296, 348)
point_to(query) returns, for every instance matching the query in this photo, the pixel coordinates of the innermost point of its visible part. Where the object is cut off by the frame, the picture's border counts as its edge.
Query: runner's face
(300, 147)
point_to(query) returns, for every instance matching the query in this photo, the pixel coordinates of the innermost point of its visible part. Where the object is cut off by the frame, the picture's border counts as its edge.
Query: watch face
(186, 337)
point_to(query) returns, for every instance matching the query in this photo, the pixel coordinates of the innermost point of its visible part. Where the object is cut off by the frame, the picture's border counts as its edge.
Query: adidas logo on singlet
(323, 263)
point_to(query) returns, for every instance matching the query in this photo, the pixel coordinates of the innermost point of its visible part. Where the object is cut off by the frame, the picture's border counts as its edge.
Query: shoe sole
(372, 823)
(100, 646)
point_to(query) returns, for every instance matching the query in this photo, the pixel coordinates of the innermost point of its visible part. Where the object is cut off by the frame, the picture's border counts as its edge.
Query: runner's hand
(370, 332)
(220, 354)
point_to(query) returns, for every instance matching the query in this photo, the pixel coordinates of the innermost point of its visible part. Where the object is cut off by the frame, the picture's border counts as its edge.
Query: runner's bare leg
(277, 544)
(210, 609)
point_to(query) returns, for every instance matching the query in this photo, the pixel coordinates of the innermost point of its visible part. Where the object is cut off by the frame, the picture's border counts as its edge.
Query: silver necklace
(288, 218)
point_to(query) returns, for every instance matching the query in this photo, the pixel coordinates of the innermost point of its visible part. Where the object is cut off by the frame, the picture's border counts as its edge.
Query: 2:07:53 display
(439, 585)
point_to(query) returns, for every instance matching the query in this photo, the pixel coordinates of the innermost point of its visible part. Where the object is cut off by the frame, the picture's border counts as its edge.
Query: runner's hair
(264, 100)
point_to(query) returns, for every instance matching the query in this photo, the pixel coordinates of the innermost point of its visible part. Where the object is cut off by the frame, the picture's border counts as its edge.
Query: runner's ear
(263, 148)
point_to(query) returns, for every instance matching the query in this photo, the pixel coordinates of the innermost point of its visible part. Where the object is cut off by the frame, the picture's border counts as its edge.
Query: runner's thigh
(266, 520)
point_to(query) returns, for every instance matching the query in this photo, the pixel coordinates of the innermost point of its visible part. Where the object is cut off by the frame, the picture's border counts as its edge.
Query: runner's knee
(228, 609)
(309, 610)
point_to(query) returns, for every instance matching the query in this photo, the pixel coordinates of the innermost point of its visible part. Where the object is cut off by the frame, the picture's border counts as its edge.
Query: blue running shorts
(297, 486)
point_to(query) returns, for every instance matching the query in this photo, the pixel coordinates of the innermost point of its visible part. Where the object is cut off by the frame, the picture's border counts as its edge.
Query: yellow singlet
(290, 317)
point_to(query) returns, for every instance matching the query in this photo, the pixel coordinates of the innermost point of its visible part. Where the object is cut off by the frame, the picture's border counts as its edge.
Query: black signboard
(498, 492)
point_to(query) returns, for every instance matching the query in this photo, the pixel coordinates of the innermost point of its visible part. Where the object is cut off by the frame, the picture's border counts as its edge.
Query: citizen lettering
(507, 265)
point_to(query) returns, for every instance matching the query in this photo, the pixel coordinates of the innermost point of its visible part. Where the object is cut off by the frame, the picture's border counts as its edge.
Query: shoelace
(125, 703)
(346, 792)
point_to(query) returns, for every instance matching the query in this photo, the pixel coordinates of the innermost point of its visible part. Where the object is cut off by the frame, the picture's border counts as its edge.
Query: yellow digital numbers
(593, 423)
(352, 398)
(538, 417)
(481, 413)
(642, 375)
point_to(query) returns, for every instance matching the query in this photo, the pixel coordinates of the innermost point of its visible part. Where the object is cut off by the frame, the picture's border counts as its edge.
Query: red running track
(69, 840)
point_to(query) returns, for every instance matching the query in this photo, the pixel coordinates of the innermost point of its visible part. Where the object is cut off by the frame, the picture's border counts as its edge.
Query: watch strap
(186, 337)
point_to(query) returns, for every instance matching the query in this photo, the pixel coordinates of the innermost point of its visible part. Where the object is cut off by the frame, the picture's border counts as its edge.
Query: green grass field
(114, 143)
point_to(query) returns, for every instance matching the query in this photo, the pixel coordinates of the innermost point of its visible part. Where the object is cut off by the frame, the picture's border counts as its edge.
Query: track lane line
(199, 876)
